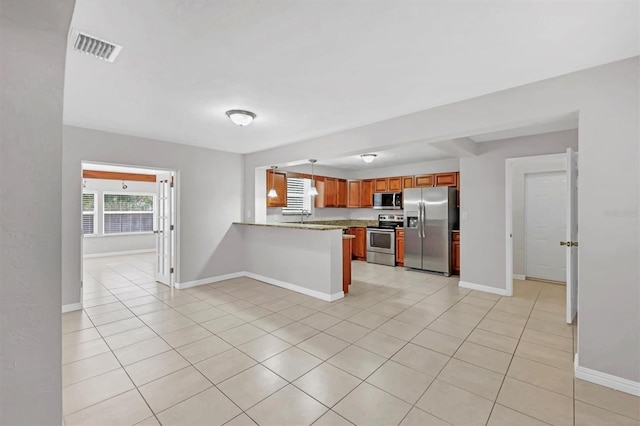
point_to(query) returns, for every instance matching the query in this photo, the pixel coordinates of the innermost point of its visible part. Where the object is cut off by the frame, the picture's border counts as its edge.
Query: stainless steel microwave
(387, 200)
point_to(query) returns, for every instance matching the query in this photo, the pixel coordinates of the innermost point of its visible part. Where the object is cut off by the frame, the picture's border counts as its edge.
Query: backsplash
(274, 214)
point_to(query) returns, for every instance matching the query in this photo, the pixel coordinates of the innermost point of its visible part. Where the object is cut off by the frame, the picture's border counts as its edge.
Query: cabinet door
(424, 180)
(446, 179)
(319, 201)
(278, 181)
(407, 182)
(400, 248)
(455, 256)
(381, 185)
(353, 193)
(330, 192)
(366, 193)
(360, 243)
(342, 193)
(394, 184)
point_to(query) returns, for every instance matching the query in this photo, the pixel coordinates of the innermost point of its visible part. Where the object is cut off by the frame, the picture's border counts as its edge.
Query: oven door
(381, 241)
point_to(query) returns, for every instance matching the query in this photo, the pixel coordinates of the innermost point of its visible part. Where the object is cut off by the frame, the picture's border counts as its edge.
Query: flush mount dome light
(240, 117)
(368, 158)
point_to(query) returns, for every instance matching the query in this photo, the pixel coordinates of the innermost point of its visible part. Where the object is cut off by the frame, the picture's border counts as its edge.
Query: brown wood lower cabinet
(455, 253)
(346, 264)
(399, 247)
(359, 244)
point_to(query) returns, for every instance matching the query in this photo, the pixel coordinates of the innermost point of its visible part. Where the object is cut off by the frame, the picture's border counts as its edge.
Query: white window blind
(89, 213)
(128, 213)
(297, 196)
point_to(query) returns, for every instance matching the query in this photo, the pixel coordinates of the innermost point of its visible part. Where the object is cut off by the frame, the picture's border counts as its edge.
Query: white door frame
(510, 163)
(176, 216)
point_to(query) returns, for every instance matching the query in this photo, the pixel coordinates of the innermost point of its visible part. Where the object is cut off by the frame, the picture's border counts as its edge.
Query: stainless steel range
(381, 239)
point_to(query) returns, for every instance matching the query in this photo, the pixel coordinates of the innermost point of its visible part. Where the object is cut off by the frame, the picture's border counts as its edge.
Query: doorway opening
(541, 222)
(128, 226)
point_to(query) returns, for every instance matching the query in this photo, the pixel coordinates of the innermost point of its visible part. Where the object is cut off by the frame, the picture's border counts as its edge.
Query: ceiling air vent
(101, 49)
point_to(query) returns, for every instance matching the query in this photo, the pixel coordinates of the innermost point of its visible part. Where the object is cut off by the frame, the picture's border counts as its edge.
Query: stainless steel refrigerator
(430, 215)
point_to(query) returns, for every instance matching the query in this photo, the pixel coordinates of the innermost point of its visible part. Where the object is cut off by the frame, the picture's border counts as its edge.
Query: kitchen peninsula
(307, 258)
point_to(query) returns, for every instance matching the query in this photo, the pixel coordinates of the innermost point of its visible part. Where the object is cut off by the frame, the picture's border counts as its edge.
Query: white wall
(209, 187)
(483, 186)
(33, 37)
(606, 98)
(520, 170)
(105, 244)
(313, 259)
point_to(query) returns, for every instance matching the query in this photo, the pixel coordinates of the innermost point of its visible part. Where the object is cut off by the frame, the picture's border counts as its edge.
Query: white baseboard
(71, 307)
(117, 253)
(604, 379)
(485, 288)
(189, 284)
(519, 277)
(272, 281)
(296, 288)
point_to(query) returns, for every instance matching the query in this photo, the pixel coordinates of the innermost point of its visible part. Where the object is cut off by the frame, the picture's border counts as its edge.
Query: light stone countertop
(307, 226)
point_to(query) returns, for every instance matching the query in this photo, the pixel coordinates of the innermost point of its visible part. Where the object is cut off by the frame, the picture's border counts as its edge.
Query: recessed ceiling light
(240, 117)
(368, 158)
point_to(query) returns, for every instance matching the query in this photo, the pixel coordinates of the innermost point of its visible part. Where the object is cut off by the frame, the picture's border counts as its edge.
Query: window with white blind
(89, 216)
(127, 213)
(298, 197)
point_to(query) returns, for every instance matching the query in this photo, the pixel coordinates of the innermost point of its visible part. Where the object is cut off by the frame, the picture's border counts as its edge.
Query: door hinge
(171, 228)
(171, 184)
(171, 271)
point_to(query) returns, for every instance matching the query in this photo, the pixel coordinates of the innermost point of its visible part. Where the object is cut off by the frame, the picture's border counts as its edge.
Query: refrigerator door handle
(423, 206)
(419, 219)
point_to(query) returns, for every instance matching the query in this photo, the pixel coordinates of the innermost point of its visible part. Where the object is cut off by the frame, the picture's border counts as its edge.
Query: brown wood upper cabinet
(278, 181)
(342, 193)
(437, 179)
(394, 184)
(353, 193)
(424, 180)
(330, 192)
(366, 193)
(446, 179)
(381, 185)
(408, 182)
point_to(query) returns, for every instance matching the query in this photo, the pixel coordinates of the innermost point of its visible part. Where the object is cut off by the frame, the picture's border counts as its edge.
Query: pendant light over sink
(240, 117)
(312, 191)
(272, 192)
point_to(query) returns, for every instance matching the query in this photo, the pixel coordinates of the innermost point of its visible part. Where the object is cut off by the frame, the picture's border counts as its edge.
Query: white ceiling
(404, 154)
(310, 67)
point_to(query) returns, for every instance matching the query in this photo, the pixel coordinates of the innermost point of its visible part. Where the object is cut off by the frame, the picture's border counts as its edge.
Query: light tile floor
(402, 348)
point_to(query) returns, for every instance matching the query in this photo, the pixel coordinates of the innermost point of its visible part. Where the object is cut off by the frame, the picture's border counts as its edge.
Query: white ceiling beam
(460, 148)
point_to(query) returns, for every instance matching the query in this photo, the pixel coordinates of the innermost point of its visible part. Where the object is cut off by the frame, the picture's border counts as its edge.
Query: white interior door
(545, 225)
(164, 228)
(571, 238)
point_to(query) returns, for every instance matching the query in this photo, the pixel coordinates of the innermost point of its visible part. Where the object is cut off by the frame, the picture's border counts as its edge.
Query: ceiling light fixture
(240, 117)
(312, 191)
(368, 158)
(272, 192)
